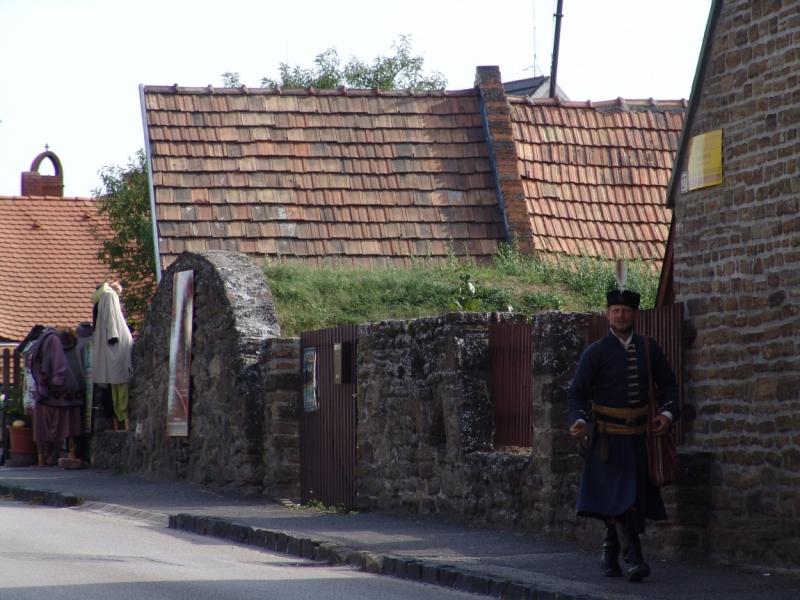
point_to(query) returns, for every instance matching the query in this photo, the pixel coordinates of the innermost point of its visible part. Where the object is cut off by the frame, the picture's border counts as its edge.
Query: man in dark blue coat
(612, 381)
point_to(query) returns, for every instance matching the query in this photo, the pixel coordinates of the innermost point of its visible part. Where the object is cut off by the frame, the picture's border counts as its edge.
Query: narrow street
(58, 553)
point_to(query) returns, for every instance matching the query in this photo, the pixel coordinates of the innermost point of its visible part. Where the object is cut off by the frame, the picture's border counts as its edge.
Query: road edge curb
(44, 497)
(401, 567)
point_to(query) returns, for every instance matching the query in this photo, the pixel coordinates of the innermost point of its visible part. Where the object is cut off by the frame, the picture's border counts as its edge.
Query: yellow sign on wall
(705, 160)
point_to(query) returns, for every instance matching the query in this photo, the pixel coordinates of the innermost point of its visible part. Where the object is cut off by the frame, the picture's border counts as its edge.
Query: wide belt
(621, 421)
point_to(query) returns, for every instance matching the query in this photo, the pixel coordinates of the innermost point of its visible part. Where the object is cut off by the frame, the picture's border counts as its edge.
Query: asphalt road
(66, 554)
(543, 563)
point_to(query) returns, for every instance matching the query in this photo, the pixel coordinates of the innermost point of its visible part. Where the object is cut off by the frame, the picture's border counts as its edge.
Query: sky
(70, 69)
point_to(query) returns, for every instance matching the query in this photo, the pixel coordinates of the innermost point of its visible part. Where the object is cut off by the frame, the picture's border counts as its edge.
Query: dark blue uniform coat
(615, 377)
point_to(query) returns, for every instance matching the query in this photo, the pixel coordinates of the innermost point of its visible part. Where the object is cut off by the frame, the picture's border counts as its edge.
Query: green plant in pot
(15, 409)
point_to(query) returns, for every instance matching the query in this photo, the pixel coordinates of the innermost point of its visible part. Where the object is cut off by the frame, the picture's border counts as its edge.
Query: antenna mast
(556, 39)
(535, 60)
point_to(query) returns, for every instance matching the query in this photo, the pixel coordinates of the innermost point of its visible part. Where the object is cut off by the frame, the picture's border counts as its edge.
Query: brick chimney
(34, 184)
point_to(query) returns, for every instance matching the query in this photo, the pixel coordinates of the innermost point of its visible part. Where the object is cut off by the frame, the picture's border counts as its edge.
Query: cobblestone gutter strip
(395, 566)
(124, 511)
(44, 497)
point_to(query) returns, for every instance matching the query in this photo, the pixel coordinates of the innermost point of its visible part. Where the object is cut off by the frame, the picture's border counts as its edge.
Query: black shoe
(610, 560)
(631, 548)
(639, 572)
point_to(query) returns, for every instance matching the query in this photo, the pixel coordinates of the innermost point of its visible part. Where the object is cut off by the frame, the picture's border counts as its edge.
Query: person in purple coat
(612, 383)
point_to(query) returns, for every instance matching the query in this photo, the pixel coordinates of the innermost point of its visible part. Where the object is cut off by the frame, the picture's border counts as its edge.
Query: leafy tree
(124, 200)
(324, 74)
(398, 72)
(401, 71)
(230, 79)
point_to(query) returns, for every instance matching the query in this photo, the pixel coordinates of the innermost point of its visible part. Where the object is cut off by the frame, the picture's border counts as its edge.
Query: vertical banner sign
(180, 354)
(705, 160)
(309, 379)
(87, 392)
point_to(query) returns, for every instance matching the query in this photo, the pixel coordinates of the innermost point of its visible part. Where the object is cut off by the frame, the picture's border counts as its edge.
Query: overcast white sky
(70, 69)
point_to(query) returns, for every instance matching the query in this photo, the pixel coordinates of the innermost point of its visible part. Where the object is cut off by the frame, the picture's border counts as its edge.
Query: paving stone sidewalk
(498, 562)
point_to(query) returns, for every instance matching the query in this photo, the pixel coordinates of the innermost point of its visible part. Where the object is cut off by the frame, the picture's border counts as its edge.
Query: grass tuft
(309, 297)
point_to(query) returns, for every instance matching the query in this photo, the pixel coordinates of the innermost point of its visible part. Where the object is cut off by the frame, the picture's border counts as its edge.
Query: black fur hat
(624, 297)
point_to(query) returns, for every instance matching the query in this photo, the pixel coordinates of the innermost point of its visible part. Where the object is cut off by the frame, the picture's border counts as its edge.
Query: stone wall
(423, 404)
(558, 342)
(426, 423)
(425, 435)
(234, 317)
(737, 268)
(280, 367)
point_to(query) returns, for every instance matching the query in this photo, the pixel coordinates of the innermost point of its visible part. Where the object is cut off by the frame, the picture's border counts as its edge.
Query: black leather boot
(631, 547)
(610, 560)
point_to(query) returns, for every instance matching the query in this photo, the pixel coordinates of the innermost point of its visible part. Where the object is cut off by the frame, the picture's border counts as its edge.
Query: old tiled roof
(48, 264)
(372, 176)
(595, 174)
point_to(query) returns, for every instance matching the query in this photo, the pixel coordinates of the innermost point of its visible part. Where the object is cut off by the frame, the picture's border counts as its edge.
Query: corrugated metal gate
(510, 356)
(328, 434)
(665, 324)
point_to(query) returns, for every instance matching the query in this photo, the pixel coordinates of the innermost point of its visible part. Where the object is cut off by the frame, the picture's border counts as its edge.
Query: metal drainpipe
(556, 40)
(493, 161)
(147, 151)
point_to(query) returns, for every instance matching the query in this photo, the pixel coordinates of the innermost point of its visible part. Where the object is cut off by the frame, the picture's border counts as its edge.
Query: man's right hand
(577, 429)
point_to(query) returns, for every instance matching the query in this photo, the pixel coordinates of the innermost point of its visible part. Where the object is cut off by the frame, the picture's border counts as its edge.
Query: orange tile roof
(48, 264)
(372, 176)
(595, 175)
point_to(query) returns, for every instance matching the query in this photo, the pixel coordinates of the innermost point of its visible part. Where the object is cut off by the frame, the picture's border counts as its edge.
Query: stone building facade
(737, 269)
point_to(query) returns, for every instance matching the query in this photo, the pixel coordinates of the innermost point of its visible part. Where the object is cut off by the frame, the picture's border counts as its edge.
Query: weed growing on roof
(311, 297)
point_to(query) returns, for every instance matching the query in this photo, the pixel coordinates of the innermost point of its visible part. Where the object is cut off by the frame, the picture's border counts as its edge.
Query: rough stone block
(518, 591)
(463, 582)
(414, 571)
(281, 541)
(429, 573)
(294, 545)
(270, 540)
(498, 588)
(447, 575)
(308, 546)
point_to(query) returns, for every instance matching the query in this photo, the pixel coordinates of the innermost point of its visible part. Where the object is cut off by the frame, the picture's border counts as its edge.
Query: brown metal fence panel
(328, 434)
(510, 357)
(665, 324)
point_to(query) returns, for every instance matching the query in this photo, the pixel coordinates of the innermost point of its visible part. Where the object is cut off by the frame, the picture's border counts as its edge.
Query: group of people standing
(57, 363)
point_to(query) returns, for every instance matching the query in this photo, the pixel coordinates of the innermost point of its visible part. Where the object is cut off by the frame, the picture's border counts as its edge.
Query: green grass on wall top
(314, 297)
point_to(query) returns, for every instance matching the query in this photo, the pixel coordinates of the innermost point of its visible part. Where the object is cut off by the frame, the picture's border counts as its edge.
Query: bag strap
(650, 388)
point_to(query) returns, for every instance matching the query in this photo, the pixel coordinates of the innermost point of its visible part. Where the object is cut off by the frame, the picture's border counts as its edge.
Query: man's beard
(626, 331)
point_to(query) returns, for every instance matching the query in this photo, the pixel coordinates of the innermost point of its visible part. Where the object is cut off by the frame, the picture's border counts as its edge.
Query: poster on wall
(309, 379)
(180, 354)
(705, 160)
(87, 387)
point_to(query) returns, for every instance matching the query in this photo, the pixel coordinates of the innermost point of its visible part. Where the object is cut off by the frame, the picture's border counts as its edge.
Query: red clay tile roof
(48, 269)
(595, 175)
(373, 176)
